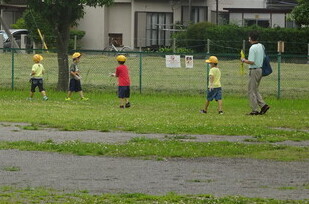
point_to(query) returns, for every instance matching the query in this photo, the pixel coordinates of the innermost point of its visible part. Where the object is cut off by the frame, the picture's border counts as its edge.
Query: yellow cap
(76, 55)
(212, 59)
(37, 58)
(121, 58)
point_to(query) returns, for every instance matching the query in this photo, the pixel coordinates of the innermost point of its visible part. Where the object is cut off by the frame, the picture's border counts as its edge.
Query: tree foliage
(301, 12)
(32, 21)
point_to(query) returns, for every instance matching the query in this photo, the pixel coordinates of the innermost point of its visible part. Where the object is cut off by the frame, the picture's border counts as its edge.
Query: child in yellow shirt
(214, 88)
(37, 72)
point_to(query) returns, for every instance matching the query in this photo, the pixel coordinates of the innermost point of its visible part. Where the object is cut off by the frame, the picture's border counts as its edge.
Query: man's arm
(246, 61)
(251, 56)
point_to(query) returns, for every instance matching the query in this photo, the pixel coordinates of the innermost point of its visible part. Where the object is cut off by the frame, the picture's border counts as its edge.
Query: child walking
(214, 88)
(122, 73)
(75, 84)
(36, 80)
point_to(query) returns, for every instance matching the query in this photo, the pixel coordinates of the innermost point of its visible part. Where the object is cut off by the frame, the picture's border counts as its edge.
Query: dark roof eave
(257, 10)
(2, 6)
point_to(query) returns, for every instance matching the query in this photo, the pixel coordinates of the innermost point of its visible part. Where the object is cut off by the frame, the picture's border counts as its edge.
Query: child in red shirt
(122, 72)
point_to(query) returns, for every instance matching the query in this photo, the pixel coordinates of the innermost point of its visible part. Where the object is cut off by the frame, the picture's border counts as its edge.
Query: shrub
(229, 38)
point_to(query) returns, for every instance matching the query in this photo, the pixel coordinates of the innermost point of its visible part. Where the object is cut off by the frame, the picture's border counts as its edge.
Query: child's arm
(116, 74)
(75, 75)
(33, 69)
(211, 81)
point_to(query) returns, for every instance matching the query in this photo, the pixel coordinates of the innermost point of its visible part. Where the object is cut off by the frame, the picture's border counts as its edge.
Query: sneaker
(128, 105)
(203, 111)
(264, 109)
(121, 106)
(84, 99)
(253, 113)
(45, 98)
(221, 112)
(68, 99)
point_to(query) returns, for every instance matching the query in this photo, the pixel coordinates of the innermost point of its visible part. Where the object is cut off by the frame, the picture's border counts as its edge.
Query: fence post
(308, 55)
(1, 42)
(207, 65)
(207, 75)
(279, 77)
(75, 42)
(23, 43)
(12, 81)
(140, 72)
(244, 45)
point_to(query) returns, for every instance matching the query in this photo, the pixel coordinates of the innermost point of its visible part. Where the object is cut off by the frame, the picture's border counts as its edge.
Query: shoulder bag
(266, 67)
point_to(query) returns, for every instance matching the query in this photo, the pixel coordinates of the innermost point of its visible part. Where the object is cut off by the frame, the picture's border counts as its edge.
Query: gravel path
(220, 177)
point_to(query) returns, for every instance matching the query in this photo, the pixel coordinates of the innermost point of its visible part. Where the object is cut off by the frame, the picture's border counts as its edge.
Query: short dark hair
(254, 35)
(121, 62)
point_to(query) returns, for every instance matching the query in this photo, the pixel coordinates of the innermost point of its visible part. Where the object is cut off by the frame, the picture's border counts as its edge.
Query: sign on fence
(189, 61)
(172, 61)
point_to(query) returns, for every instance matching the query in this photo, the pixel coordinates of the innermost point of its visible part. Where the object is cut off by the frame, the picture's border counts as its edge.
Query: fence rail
(149, 73)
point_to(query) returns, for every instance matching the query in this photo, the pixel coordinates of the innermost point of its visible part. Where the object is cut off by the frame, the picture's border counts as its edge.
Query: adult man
(255, 61)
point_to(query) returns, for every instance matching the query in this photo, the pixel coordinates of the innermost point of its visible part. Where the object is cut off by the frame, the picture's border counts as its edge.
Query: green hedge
(229, 38)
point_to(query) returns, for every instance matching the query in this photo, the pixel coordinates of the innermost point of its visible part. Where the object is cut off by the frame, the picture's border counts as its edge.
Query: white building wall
(261, 16)
(152, 6)
(114, 19)
(236, 4)
(119, 17)
(95, 37)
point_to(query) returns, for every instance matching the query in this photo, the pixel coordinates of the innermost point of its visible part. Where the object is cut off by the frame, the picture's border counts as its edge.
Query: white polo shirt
(256, 55)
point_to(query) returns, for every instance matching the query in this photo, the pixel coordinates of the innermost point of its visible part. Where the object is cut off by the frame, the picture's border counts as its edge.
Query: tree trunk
(63, 69)
(63, 36)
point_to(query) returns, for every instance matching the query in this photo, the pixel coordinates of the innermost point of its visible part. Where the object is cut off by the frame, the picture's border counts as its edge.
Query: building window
(198, 14)
(115, 39)
(223, 17)
(259, 22)
(153, 29)
(158, 27)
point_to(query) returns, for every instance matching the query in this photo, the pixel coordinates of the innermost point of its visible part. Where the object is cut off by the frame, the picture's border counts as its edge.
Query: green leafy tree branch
(301, 13)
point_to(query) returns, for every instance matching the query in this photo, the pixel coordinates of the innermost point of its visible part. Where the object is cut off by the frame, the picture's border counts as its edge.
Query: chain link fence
(149, 73)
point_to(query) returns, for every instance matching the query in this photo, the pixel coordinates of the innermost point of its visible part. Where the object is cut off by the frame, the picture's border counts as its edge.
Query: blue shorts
(123, 91)
(36, 83)
(215, 93)
(75, 85)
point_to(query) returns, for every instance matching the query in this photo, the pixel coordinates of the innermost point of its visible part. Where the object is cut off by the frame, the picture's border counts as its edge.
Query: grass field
(41, 195)
(158, 113)
(151, 75)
